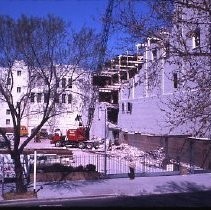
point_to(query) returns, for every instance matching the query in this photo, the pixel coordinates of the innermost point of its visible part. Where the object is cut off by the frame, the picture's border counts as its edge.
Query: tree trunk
(20, 186)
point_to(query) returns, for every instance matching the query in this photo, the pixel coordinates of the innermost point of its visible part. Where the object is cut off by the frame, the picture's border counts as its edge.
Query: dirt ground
(13, 195)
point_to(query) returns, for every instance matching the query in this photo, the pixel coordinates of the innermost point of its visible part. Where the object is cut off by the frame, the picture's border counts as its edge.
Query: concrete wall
(191, 151)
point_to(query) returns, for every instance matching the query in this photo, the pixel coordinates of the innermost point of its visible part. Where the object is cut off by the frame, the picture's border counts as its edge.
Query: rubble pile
(128, 152)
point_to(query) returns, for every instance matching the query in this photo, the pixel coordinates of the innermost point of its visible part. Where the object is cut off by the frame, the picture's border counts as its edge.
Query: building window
(18, 73)
(8, 112)
(46, 97)
(175, 79)
(70, 82)
(196, 38)
(154, 54)
(39, 97)
(123, 108)
(63, 98)
(166, 50)
(129, 107)
(56, 98)
(7, 121)
(32, 97)
(18, 89)
(8, 81)
(69, 98)
(63, 82)
(57, 82)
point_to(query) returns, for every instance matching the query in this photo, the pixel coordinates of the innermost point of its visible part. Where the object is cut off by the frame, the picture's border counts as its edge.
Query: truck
(23, 130)
(75, 137)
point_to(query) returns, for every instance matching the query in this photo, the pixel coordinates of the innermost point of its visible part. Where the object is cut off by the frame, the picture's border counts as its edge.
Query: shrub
(79, 168)
(58, 167)
(90, 167)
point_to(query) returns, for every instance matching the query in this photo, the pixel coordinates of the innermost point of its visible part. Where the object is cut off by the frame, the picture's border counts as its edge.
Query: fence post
(35, 168)
(144, 163)
(191, 157)
(97, 162)
(166, 146)
(2, 176)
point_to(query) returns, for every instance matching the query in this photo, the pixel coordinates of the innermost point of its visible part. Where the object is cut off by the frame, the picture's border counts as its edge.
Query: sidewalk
(122, 186)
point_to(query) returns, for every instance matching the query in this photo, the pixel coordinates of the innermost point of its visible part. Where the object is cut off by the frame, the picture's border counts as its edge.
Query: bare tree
(49, 53)
(183, 30)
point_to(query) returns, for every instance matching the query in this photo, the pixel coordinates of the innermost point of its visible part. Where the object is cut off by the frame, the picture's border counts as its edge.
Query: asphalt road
(193, 199)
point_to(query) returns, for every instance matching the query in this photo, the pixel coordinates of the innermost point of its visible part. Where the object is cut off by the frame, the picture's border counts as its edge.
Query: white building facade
(74, 87)
(143, 104)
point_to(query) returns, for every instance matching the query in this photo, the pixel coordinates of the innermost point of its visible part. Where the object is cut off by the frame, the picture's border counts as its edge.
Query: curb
(35, 200)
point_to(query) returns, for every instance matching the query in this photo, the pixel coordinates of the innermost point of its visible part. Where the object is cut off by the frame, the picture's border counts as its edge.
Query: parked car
(43, 133)
(3, 143)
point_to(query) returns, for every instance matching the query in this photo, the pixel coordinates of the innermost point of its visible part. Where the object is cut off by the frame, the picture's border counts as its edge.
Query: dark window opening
(18, 89)
(196, 38)
(110, 97)
(56, 98)
(46, 97)
(132, 72)
(18, 73)
(63, 82)
(32, 97)
(123, 75)
(104, 97)
(175, 78)
(7, 121)
(112, 115)
(101, 81)
(39, 97)
(70, 82)
(167, 49)
(129, 107)
(63, 98)
(115, 78)
(69, 98)
(8, 81)
(123, 107)
(57, 82)
(154, 54)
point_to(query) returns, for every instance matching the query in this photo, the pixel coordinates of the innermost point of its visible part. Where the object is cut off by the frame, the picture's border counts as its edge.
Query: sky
(78, 12)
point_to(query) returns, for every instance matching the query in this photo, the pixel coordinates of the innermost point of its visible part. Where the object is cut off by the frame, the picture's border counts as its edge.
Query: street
(192, 199)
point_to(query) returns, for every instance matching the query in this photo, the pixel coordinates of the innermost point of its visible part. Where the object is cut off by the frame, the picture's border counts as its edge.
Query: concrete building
(73, 86)
(115, 72)
(144, 99)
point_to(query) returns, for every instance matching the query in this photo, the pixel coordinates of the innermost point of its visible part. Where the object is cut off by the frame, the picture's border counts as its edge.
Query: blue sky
(78, 12)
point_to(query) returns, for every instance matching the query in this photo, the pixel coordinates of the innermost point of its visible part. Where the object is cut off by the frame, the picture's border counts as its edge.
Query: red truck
(74, 138)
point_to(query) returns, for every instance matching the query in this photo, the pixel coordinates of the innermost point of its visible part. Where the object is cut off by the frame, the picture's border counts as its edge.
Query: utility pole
(101, 109)
(105, 149)
(35, 169)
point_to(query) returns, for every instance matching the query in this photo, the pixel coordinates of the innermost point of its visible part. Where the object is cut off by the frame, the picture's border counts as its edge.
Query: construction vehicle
(77, 137)
(23, 130)
(107, 19)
